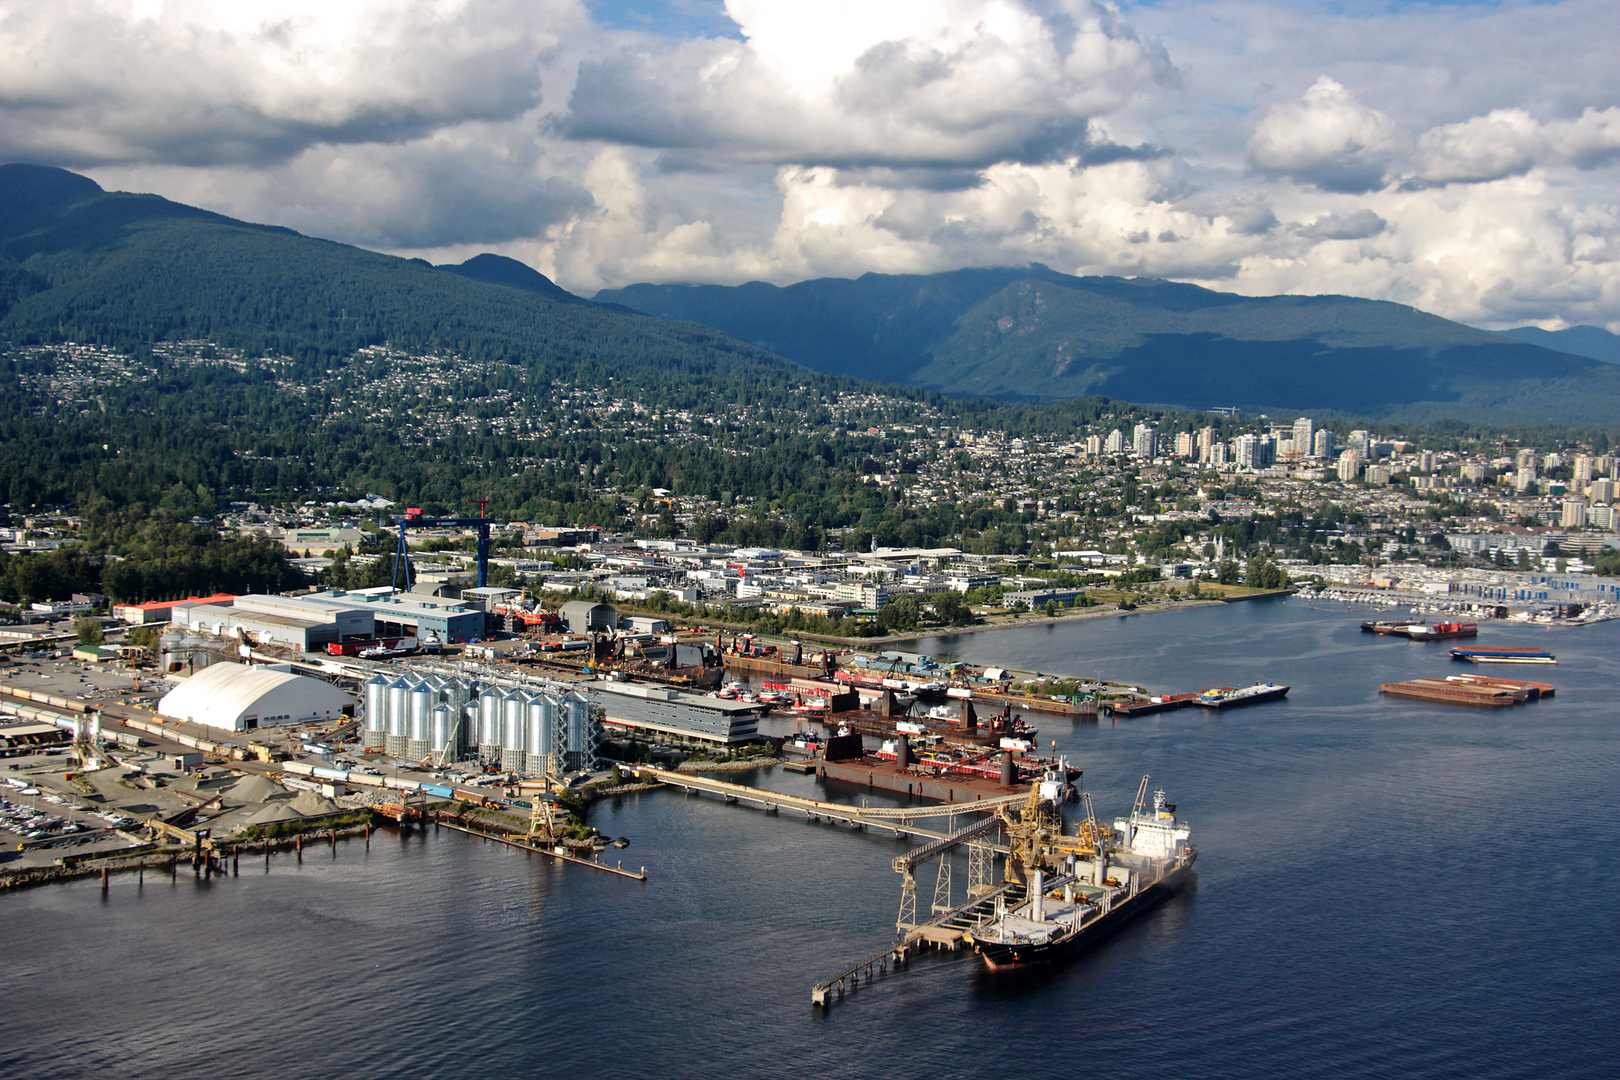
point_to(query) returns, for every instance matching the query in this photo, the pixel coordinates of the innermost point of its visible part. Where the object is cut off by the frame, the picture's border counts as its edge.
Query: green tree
(88, 631)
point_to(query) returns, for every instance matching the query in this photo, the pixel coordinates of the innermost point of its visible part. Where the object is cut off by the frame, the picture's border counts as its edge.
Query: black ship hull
(999, 957)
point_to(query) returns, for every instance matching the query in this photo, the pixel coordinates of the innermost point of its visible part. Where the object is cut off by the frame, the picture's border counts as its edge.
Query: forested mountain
(499, 270)
(1589, 341)
(80, 264)
(156, 360)
(1036, 335)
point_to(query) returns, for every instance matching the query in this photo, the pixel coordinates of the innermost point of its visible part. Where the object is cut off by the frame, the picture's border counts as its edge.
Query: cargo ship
(1421, 631)
(1227, 697)
(1083, 887)
(1503, 654)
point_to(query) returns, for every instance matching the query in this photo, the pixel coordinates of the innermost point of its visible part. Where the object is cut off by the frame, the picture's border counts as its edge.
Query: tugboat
(1085, 886)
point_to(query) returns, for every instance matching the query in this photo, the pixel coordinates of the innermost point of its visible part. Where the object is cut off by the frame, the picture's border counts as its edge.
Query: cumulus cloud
(1357, 225)
(1462, 158)
(254, 82)
(1510, 142)
(1327, 138)
(907, 84)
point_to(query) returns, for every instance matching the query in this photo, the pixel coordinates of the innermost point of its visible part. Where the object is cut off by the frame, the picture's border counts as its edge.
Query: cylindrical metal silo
(580, 751)
(419, 721)
(512, 706)
(489, 724)
(441, 732)
(539, 734)
(398, 726)
(376, 703)
(454, 695)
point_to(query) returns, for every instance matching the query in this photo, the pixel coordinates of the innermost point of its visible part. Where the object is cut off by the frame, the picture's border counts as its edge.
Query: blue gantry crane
(415, 519)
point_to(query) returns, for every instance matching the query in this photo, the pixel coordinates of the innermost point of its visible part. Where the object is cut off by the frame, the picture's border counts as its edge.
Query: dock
(1075, 709)
(945, 930)
(900, 821)
(1163, 703)
(549, 853)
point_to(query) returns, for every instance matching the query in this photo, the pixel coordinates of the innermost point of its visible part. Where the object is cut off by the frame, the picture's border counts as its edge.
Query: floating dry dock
(1469, 690)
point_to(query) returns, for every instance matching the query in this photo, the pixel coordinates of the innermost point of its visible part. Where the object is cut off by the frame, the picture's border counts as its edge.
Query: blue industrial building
(409, 614)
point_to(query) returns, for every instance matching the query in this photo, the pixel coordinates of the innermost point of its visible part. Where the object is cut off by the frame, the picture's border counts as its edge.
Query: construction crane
(415, 519)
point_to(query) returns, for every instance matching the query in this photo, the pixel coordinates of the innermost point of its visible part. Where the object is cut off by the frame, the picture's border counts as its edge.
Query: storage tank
(455, 695)
(419, 720)
(579, 752)
(376, 704)
(539, 734)
(398, 727)
(512, 708)
(489, 724)
(441, 733)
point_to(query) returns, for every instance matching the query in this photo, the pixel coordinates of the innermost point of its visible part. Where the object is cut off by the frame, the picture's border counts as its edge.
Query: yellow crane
(1036, 836)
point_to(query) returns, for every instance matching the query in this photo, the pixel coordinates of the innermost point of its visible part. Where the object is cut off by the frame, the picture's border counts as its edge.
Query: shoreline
(1088, 616)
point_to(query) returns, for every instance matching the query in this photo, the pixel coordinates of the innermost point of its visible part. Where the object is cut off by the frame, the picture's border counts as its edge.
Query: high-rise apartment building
(1304, 431)
(1145, 442)
(1350, 463)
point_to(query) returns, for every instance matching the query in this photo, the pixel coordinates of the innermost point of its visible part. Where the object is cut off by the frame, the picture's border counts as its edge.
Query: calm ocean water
(1385, 889)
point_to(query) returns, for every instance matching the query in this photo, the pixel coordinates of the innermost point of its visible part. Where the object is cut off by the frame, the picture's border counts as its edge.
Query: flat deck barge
(1161, 703)
(1422, 631)
(1538, 690)
(1448, 692)
(1503, 654)
(879, 775)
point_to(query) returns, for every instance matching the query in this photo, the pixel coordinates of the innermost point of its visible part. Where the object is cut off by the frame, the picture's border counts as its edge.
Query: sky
(1459, 157)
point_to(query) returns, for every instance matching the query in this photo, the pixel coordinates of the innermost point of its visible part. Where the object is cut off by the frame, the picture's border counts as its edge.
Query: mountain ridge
(1592, 342)
(1032, 334)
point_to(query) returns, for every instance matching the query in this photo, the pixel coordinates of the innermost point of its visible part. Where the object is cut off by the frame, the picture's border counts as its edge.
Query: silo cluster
(515, 728)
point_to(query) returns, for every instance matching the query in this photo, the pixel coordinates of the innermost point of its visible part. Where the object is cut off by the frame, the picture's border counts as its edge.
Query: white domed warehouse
(239, 698)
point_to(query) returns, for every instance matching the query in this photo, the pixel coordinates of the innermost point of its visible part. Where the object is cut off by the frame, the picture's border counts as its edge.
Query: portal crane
(415, 519)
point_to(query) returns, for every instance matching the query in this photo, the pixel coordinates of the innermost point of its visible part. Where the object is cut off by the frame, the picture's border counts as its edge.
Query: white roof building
(240, 698)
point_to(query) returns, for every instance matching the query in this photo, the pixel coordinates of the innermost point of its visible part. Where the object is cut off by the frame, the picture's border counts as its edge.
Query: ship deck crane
(415, 519)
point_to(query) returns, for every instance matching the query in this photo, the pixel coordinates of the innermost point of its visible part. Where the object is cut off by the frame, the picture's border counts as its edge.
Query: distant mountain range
(1593, 342)
(81, 264)
(1031, 334)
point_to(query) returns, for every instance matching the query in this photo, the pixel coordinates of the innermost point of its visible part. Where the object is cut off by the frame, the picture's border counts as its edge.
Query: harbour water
(1386, 888)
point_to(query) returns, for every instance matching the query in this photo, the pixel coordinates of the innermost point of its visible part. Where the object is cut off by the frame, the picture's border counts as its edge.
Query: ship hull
(1000, 958)
(1273, 693)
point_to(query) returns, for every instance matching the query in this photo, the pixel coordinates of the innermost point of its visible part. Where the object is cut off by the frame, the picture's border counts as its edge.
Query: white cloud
(908, 83)
(1459, 157)
(253, 82)
(1326, 138)
(1510, 142)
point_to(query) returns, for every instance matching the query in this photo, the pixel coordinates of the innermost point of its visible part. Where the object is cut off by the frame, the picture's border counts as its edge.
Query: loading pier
(900, 820)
